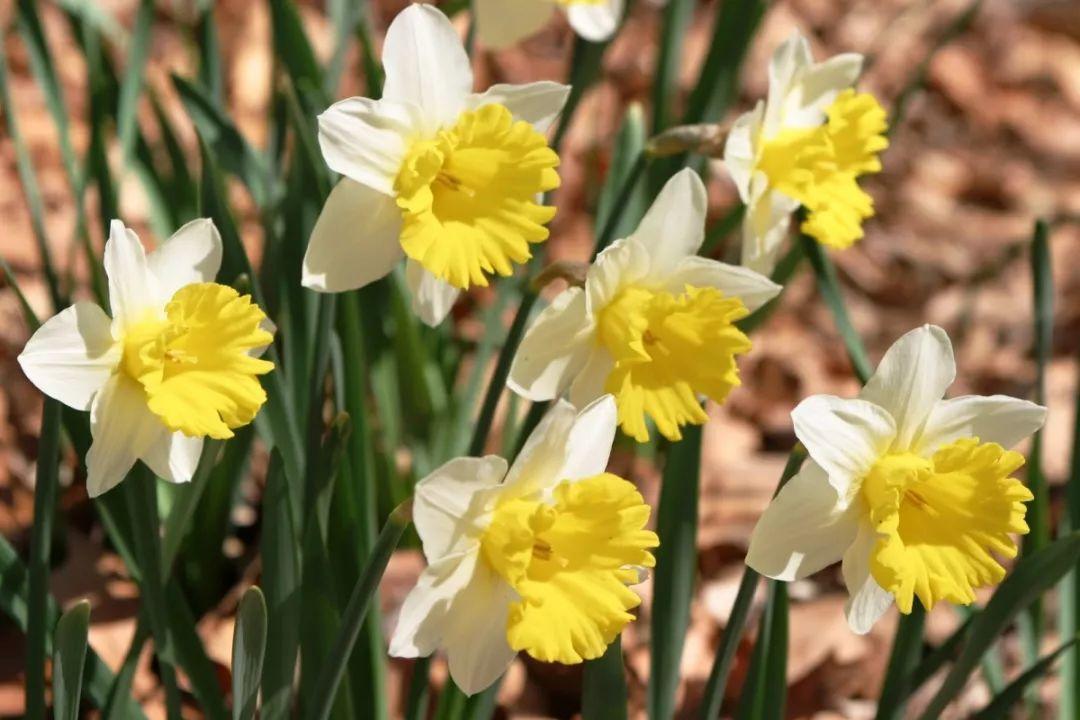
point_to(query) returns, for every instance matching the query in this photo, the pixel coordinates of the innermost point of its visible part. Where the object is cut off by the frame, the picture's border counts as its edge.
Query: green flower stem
(40, 553)
(716, 686)
(352, 618)
(502, 371)
(906, 651)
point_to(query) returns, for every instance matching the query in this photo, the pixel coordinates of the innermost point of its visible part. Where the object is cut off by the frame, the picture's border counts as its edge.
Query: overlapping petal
(910, 380)
(998, 419)
(191, 255)
(355, 239)
(72, 355)
(554, 350)
(752, 288)
(426, 65)
(674, 225)
(133, 291)
(448, 504)
(123, 429)
(432, 298)
(365, 140)
(844, 437)
(867, 601)
(537, 103)
(806, 527)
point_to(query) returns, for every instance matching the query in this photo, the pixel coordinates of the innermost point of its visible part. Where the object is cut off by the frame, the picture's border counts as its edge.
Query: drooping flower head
(805, 146)
(534, 559)
(501, 23)
(434, 172)
(653, 326)
(176, 362)
(913, 492)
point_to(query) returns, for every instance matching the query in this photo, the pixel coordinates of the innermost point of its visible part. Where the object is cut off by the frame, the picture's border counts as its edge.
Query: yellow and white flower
(534, 559)
(501, 23)
(434, 172)
(805, 146)
(174, 364)
(913, 492)
(654, 324)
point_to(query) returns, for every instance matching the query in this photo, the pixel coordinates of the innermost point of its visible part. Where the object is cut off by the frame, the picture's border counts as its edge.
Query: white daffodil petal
(554, 349)
(71, 356)
(191, 255)
(765, 225)
(365, 140)
(806, 527)
(123, 429)
(588, 444)
(537, 103)
(752, 288)
(591, 381)
(674, 226)
(740, 149)
(595, 22)
(622, 263)
(910, 380)
(432, 298)
(132, 287)
(501, 23)
(545, 449)
(998, 419)
(355, 241)
(422, 617)
(446, 503)
(818, 87)
(475, 634)
(426, 65)
(789, 61)
(174, 456)
(867, 600)
(845, 437)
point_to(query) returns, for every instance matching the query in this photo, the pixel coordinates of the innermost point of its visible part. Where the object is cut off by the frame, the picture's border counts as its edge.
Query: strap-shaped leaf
(249, 648)
(69, 658)
(1032, 576)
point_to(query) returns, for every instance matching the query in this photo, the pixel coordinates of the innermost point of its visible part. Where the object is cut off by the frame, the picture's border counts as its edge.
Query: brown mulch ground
(992, 144)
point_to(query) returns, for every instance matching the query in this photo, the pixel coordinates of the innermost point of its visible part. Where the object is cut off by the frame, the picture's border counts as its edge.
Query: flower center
(819, 167)
(669, 350)
(571, 562)
(939, 520)
(196, 365)
(469, 196)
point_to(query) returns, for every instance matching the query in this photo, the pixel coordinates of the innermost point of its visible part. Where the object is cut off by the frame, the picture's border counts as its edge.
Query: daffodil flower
(913, 492)
(654, 324)
(501, 23)
(534, 559)
(448, 178)
(805, 145)
(174, 364)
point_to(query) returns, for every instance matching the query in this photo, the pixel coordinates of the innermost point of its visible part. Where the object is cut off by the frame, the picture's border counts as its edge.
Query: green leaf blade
(69, 659)
(249, 648)
(676, 569)
(1031, 577)
(45, 491)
